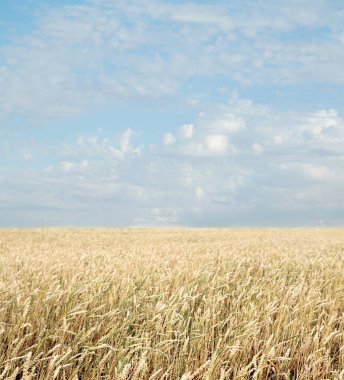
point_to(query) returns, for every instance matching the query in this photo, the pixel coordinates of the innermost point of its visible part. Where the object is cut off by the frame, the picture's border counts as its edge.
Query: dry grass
(171, 304)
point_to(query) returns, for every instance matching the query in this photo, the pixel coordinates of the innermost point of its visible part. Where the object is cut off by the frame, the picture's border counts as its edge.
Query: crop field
(172, 304)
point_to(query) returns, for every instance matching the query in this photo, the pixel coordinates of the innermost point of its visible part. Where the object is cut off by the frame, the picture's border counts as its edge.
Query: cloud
(216, 143)
(323, 120)
(257, 148)
(67, 166)
(233, 161)
(187, 130)
(125, 147)
(169, 139)
(319, 172)
(200, 193)
(99, 52)
(158, 217)
(285, 183)
(27, 156)
(228, 123)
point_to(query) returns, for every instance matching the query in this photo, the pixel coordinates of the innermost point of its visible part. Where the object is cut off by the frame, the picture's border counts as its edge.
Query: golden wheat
(171, 304)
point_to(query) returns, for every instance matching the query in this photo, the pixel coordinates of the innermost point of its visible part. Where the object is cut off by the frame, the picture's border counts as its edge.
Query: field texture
(172, 304)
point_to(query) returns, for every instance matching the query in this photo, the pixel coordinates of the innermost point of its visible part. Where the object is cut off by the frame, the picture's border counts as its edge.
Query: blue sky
(163, 113)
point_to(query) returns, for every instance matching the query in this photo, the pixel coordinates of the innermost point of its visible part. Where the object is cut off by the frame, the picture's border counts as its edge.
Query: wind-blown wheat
(171, 304)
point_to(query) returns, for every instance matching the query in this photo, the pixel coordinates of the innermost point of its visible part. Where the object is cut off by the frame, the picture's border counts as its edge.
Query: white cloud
(187, 130)
(169, 139)
(323, 119)
(279, 139)
(242, 79)
(229, 123)
(126, 147)
(67, 166)
(211, 186)
(125, 140)
(84, 163)
(158, 217)
(216, 143)
(257, 148)
(27, 156)
(200, 193)
(318, 172)
(312, 171)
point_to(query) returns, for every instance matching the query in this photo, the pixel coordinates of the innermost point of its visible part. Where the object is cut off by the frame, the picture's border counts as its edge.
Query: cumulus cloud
(229, 123)
(216, 143)
(125, 146)
(323, 120)
(274, 169)
(169, 139)
(187, 130)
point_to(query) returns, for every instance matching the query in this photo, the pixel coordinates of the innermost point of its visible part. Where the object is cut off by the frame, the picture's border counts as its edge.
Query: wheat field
(172, 304)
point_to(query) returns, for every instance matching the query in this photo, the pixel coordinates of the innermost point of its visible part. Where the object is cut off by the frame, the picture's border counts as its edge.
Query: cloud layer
(232, 161)
(273, 168)
(98, 51)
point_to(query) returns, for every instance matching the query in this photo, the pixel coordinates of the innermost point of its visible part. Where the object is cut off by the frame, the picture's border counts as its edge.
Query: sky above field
(153, 112)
